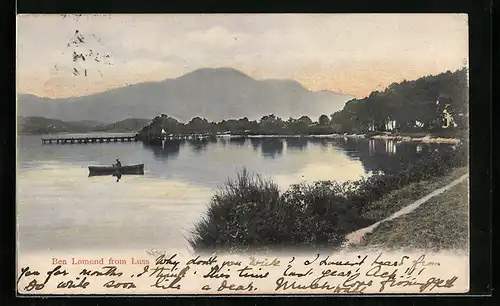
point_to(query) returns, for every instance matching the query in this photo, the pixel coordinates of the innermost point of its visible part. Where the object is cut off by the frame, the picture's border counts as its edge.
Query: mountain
(211, 93)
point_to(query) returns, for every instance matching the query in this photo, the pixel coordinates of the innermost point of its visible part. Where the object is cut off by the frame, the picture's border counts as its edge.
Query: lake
(61, 208)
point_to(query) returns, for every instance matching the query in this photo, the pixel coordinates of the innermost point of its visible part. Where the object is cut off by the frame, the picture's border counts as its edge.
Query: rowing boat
(111, 170)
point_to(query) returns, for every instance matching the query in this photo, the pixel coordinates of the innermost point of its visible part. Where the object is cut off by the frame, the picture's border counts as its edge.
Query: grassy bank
(399, 198)
(440, 223)
(250, 212)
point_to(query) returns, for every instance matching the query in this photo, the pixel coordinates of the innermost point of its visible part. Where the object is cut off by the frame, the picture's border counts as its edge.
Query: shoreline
(426, 139)
(429, 138)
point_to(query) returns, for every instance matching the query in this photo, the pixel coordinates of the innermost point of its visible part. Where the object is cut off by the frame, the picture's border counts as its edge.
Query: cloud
(308, 47)
(217, 36)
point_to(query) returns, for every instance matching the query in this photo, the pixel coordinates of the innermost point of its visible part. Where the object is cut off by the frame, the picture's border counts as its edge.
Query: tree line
(269, 124)
(413, 106)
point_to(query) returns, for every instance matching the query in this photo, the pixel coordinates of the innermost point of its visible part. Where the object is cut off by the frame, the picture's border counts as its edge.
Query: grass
(440, 223)
(249, 212)
(399, 198)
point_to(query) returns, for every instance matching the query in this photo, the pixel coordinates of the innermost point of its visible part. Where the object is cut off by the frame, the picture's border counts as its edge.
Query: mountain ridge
(211, 93)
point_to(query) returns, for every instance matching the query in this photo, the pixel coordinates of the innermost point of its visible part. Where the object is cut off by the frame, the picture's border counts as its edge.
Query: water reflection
(419, 148)
(390, 147)
(371, 146)
(239, 141)
(348, 146)
(387, 155)
(198, 145)
(272, 147)
(256, 142)
(222, 141)
(296, 143)
(375, 154)
(321, 142)
(167, 149)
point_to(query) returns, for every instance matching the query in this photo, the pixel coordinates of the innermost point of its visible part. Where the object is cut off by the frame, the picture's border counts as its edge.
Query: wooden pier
(88, 139)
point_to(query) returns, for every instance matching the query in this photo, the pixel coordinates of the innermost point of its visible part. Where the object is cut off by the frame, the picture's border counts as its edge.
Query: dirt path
(357, 236)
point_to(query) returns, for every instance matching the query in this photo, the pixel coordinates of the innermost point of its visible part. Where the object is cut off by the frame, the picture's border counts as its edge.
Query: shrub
(249, 212)
(237, 213)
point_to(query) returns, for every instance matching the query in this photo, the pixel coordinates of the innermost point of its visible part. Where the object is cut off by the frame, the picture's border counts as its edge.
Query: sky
(348, 53)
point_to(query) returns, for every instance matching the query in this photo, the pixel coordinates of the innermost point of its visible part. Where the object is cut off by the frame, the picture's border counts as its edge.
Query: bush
(249, 212)
(237, 214)
(319, 214)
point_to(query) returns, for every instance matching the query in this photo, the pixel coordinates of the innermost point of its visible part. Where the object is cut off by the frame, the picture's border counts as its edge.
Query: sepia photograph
(242, 153)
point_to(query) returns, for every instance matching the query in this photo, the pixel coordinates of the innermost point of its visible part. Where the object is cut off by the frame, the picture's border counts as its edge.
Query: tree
(305, 119)
(323, 120)
(268, 119)
(198, 124)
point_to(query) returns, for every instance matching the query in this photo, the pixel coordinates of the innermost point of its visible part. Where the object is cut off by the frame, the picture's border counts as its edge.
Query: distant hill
(214, 94)
(89, 123)
(123, 126)
(42, 125)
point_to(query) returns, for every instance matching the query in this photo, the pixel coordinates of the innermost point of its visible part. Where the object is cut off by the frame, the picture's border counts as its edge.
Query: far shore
(424, 139)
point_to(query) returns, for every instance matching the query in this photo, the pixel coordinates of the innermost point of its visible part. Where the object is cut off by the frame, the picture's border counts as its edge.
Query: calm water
(61, 208)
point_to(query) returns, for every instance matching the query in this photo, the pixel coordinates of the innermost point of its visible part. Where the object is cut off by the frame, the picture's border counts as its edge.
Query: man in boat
(118, 176)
